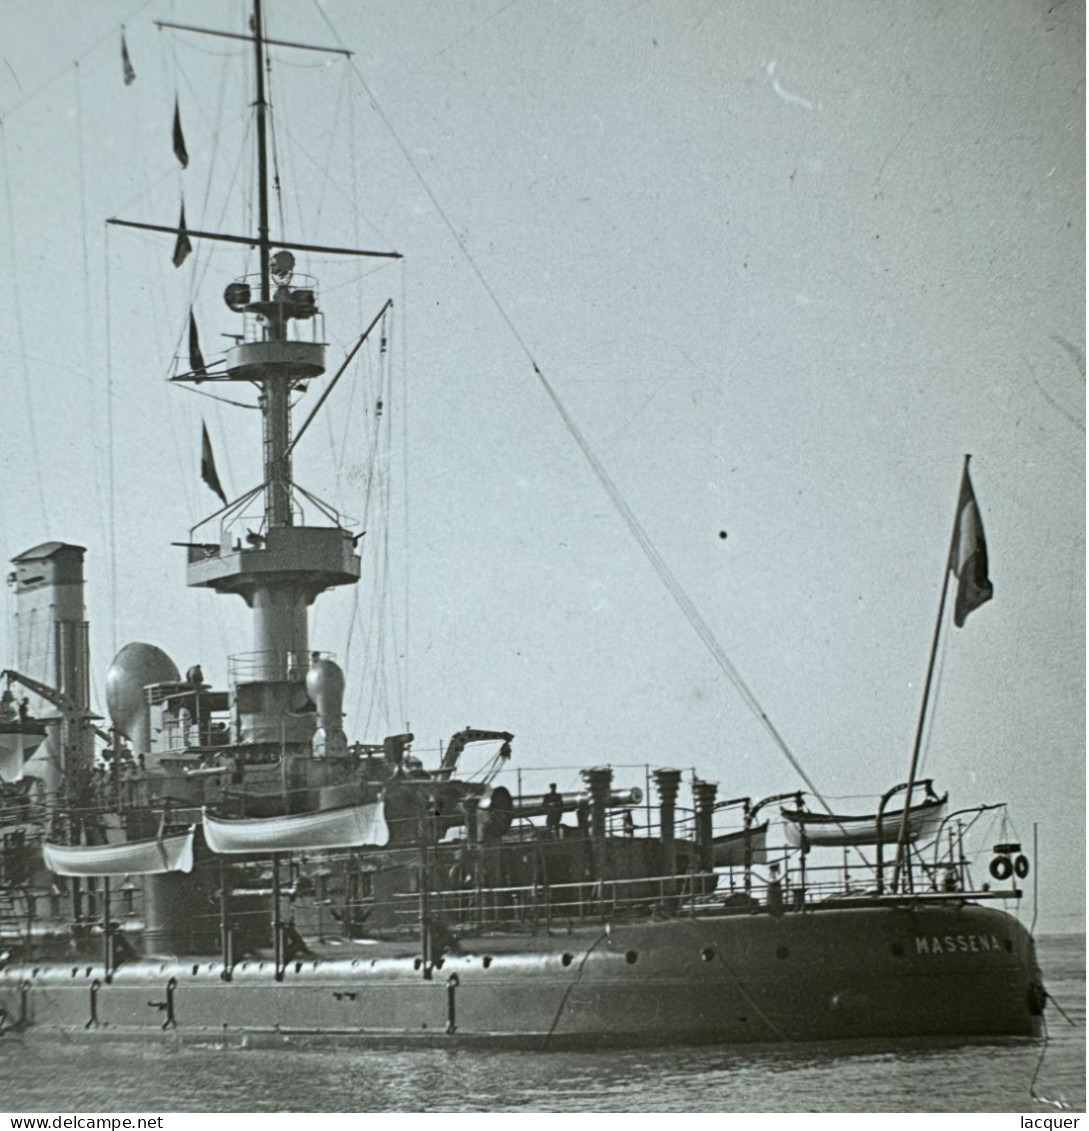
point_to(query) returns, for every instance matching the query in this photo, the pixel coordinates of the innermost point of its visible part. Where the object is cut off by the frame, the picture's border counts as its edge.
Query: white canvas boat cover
(732, 849)
(350, 827)
(15, 748)
(132, 858)
(838, 830)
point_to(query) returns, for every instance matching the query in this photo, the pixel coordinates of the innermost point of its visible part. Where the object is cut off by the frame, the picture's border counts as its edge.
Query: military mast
(280, 568)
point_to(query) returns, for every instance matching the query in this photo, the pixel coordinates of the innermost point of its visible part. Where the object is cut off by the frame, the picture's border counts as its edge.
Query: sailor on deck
(553, 807)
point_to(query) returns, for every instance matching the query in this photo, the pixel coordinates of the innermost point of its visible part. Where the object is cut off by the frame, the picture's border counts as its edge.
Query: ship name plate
(950, 944)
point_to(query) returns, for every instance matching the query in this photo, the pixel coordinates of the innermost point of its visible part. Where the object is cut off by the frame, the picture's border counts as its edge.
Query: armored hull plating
(842, 974)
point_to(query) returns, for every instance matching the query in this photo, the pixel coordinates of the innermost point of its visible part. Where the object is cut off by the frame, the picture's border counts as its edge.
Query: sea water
(864, 1077)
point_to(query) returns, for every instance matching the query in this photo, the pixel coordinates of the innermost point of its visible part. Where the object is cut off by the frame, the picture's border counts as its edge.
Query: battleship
(224, 864)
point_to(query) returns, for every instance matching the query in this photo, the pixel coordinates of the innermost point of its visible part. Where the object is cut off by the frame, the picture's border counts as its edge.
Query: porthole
(567, 959)
(487, 960)
(631, 957)
(708, 953)
(782, 952)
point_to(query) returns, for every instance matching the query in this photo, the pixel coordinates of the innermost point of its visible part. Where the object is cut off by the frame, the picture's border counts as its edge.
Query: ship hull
(902, 972)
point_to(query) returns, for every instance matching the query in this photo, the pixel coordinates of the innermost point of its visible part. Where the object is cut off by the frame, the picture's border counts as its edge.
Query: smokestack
(599, 782)
(52, 646)
(703, 794)
(668, 782)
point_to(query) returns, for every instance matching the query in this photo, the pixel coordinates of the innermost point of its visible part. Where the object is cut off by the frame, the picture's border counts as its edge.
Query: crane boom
(460, 740)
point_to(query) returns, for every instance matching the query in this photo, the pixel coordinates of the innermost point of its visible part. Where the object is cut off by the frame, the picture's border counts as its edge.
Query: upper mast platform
(282, 336)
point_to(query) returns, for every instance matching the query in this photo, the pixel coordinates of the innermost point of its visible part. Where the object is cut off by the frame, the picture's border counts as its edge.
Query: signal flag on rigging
(969, 558)
(196, 358)
(208, 464)
(180, 152)
(126, 63)
(182, 246)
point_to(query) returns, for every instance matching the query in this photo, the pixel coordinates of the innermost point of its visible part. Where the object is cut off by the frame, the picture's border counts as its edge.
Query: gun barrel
(618, 799)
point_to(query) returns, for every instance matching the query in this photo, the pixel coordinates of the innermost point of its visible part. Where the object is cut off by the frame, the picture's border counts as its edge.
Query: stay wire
(13, 267)
(1061, 1102)
(932, 714)
(88, 318)
(570, 986)
(114, 29)
(665, 574)
(110, 452)
(214, 397)
(406, 666)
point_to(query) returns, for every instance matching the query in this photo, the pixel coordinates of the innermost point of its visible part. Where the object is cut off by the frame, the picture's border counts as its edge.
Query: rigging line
(13, 267)
(400, 655)
(109, 35)
(88, 320)
(270, 117)
(475, 29)
(751, 1000)
(212, 396)
(197, 102)
(669, 580)
(217, 129)
(243, 154)
(339, 373)
(343, 449)
(933, 713)
(403, 357)
(110, 468)
(1060, 1103)
(571, 985)
(324, 180)
(141, 194)
(667, 577)
(390, 610)
(355, 280)
(346, 195)
(374, 634)
(188, 43)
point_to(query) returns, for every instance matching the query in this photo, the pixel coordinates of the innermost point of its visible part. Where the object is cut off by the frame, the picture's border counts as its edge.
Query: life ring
(1001, 868)
(1021, 866)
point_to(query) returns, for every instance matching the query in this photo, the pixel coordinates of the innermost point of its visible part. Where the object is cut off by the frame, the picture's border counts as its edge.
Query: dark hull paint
(829, 975)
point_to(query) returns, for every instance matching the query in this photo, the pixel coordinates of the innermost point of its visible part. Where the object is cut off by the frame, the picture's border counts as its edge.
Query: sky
(783, 266)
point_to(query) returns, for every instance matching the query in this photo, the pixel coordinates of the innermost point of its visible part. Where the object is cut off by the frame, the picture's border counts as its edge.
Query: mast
(276, 391)
(901, 840)
(262, 148)
(276, 564)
